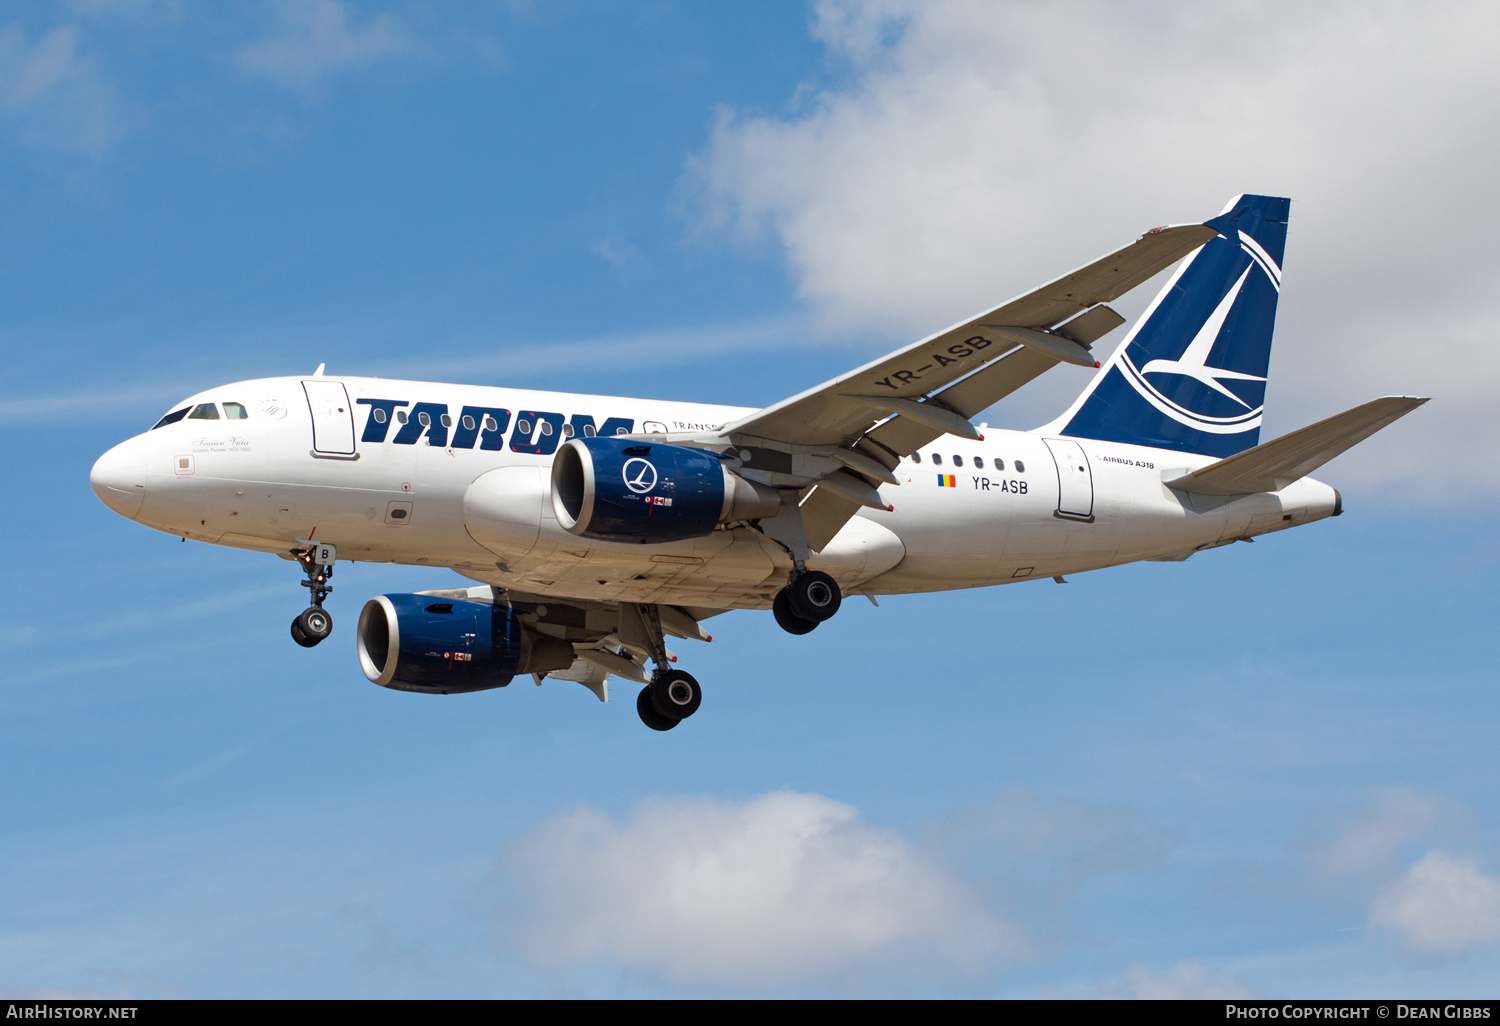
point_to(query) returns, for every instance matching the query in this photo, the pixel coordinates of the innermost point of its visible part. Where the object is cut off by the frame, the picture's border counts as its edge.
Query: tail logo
(1193, 363)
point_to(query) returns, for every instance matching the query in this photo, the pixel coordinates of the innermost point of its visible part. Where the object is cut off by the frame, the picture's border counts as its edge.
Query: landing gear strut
(314, 623)
(809, 598)
(673, 695)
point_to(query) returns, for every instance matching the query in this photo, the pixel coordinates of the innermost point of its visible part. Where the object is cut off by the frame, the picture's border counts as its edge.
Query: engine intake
(449, 646)
(622, 490)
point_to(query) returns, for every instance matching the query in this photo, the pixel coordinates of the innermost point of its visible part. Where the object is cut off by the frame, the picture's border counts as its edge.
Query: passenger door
(332, 419)
(1075, 482)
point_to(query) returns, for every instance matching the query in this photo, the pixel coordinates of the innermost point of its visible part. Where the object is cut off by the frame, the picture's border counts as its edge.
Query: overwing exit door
(332, 419)
(1075, 482)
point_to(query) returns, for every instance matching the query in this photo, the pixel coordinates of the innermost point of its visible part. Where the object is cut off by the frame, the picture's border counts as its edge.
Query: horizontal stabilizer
(1274, 465)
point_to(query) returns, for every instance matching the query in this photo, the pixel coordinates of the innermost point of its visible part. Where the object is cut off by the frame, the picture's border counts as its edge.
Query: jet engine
(448, 646)
(621, 490)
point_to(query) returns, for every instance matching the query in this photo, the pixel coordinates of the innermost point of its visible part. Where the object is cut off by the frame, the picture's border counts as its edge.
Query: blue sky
(1268, 770)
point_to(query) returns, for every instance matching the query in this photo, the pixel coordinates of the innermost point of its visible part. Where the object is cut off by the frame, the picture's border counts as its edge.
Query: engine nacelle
(447, 646)
(622, 490)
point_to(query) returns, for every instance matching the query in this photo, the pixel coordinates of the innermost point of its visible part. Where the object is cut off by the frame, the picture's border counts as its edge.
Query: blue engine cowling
(448, 646)
(623, 490)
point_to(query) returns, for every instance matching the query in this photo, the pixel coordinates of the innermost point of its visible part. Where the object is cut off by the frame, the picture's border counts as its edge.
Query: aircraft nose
(119, 478)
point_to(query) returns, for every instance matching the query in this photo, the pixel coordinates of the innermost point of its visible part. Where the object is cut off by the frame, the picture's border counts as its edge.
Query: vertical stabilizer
(1191, 375)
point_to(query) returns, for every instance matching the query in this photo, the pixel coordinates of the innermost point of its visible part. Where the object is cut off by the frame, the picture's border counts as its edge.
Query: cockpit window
(234, 411)
(171, 418)
(204, 411)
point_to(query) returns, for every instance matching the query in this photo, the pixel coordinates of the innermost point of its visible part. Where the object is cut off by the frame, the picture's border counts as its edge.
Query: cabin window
(958, 461)
(937, 459)
(523, 428)
(916, 457)
(234, 411)
(424, 419)
(400, 416)
(468, 422)
(979, 462)
(446, 421)
(999, 464)
(204, 411)
(490, 424)
(172, 418)
(1020, 467)
(622, 431)
(546, 427)
(379, 415)
(567, 430)
(589, 431)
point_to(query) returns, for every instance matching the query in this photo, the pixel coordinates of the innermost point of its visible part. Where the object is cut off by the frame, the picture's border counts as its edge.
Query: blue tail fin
(1192, 373)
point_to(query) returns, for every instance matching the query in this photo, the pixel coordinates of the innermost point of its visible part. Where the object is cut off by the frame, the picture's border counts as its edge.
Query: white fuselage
(1058, 506)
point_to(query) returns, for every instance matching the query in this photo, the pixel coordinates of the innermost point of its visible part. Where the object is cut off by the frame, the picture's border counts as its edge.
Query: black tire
(316, 624)
(814, 596)
(789, 621)
(300, 637)
(649, 716)
(676, 694)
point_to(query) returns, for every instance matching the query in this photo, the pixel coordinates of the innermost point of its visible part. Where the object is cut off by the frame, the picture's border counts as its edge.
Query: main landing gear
(809, 598)
(673, 695)
(314, 623)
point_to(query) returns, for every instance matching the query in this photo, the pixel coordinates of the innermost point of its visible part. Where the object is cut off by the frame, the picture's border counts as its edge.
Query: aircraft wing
(934, 386)
(1036, 324)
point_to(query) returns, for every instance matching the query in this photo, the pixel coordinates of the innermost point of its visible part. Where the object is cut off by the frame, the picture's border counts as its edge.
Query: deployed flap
(904, 436)
(1276, 464)
(824, 514)
(826, 415)
(1090, 326)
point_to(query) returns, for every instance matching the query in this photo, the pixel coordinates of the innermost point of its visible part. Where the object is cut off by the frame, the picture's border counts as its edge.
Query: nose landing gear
(314, 623)
(809, 598)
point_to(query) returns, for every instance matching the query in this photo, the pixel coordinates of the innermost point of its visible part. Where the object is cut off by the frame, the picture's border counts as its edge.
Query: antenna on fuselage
(319, 372)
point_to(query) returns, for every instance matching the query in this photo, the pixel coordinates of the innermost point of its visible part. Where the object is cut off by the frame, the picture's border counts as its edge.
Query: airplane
(596, 527)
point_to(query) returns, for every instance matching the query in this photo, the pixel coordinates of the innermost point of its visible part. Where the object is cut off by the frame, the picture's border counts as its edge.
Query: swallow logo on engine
(639, 475)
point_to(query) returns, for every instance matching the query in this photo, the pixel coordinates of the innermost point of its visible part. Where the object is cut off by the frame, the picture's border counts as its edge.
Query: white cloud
(786, 887)
(972, 150)
(316, 39)
(1391, 855)
(1442, 905)
(1368, 845)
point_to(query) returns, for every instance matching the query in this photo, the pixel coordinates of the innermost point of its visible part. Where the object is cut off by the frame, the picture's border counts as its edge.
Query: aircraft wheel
(814, 596)
(312, 625)
(649, 716)
(299, 637)
(675, 694)
(789, 621)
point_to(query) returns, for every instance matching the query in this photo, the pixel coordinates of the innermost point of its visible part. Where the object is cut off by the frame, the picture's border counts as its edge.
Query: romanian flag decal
(947, 481)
